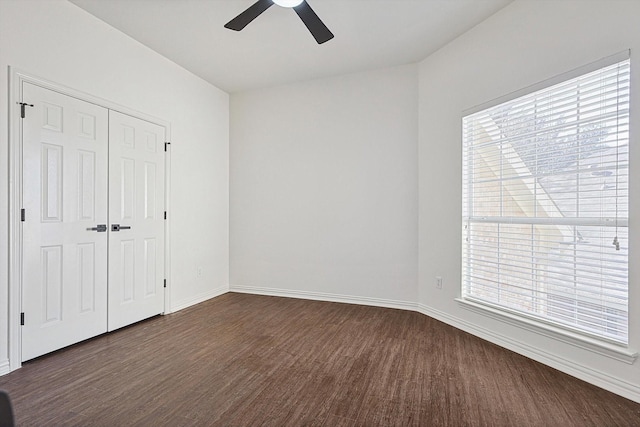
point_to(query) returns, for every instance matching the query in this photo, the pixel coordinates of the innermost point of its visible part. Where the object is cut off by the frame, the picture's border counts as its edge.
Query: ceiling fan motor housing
(287, 3)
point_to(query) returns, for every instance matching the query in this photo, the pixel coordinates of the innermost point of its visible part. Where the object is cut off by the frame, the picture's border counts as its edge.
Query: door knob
(118, 227)
(100, 228)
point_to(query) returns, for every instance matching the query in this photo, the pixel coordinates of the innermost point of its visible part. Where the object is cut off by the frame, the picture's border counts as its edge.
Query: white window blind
(545, 204)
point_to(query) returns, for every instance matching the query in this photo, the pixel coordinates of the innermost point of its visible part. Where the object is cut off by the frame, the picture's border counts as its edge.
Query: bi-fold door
(93, 231)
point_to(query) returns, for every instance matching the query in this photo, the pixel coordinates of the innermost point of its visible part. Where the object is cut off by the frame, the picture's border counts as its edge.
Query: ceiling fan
(317, 28)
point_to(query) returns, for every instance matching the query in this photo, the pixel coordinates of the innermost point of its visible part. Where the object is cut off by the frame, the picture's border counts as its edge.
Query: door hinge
(165, 145)
(23, 215)
(21, 319)
(22, 108)
(165, 214)
(165, 283)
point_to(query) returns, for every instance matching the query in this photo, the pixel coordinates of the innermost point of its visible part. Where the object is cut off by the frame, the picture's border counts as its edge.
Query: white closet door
(136, 219)
(64, 293)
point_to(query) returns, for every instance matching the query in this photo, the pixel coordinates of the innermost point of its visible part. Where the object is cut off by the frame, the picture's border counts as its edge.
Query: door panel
(136, 200)
(65, 155)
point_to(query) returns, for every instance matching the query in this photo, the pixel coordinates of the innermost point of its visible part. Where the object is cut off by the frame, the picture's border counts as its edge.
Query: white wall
(525, 43)
(324, 188)
(57, 41)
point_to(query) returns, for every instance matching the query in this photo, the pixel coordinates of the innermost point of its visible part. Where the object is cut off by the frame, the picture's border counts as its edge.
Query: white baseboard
(323, 296)
(181, 305)
(5, 368)
(595, 377)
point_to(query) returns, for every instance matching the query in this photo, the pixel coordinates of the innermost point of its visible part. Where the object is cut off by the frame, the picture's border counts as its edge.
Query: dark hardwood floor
(247, 360)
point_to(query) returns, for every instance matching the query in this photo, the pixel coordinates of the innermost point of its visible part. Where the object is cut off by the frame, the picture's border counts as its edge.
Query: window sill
(600, 347)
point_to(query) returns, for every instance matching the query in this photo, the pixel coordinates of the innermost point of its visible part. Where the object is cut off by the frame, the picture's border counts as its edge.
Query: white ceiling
(277, 48)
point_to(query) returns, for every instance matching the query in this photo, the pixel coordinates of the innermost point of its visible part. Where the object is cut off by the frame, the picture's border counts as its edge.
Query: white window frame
(573, 336)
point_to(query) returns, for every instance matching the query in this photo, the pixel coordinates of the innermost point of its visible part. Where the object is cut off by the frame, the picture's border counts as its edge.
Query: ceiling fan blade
(242, 20)
(318, 30)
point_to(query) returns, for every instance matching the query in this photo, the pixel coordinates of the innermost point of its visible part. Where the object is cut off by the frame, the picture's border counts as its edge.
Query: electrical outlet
(438, 282)
(199, 272)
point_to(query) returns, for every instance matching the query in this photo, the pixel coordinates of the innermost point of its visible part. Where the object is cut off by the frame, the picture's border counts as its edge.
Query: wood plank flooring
(248, 360)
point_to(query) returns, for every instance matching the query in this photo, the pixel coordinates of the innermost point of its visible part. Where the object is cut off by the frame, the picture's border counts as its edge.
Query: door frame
(16, 79)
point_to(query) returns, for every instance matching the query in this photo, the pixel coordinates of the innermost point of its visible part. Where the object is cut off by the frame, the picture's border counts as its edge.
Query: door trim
(16, 78)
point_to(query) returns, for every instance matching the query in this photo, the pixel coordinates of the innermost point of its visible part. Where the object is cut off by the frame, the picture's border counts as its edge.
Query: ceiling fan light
(287, 3)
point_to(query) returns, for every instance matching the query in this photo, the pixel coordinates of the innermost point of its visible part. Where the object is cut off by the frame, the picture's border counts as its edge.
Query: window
(545, 204)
